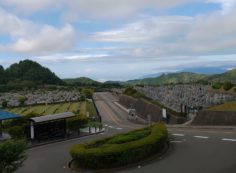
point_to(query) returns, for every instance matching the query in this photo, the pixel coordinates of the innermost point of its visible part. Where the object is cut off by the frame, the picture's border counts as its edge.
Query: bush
(88, 92)
(227, 86)
(12, 155)
(120, 150)
(234, 89)
(74, 124)
(217, 86)
(16, 132)
(130, 91)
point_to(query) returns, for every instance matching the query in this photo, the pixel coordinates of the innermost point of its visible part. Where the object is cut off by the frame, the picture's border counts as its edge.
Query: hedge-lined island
(120, 150)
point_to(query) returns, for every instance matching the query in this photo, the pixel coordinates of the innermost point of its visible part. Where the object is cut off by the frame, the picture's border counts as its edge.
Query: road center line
(202, 137)
(226, 139)
(177, 134)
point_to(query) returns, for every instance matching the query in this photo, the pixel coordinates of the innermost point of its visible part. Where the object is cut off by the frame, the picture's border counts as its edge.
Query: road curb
(62, 140)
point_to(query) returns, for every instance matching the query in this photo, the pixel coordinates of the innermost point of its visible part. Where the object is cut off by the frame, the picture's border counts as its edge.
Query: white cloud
(227, 5)
(31, 38)
(58, 58)
(148, 29)
(12, 25)
(49, 39)
(30, 6)
(108, 9)
(176, 35)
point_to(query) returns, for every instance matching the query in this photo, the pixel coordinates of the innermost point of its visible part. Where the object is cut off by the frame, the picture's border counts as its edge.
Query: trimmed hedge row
(106, 154)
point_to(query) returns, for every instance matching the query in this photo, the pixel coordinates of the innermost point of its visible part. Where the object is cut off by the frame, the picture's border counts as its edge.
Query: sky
(119, 40)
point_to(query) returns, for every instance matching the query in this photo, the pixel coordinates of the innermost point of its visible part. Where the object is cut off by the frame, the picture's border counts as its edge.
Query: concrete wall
(208, 117)
(144, 107)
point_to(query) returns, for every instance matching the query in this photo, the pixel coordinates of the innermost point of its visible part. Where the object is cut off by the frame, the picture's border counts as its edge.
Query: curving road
(192, 150)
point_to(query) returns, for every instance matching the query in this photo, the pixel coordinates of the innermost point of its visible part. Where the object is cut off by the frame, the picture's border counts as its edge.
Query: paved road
(192, 150)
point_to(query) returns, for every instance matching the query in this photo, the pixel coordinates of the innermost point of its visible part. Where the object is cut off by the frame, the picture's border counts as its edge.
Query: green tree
(74, 124)
(2, 76)
(4, 104)
(22, 100)
(82, 98)
(17, 132)
(216, 85)
(88, 92)
(227, 86)
(12, 155)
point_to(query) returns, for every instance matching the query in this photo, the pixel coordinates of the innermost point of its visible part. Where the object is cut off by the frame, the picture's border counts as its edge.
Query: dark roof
(4, 115)
(46, 118)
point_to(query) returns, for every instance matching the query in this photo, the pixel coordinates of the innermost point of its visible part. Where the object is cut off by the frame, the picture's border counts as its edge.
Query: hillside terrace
(39, 97)
(197, 96)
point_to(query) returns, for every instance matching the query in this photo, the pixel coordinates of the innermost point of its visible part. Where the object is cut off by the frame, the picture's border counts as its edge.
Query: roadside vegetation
(12, 155)
(120, 150)
(230, 106)
(225, 87)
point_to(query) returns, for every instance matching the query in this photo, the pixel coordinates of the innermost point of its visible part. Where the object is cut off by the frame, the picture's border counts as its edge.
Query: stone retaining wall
(207, 117)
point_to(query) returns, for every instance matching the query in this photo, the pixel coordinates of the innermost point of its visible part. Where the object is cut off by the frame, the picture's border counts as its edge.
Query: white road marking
(176, 141)
(118, 128)
(177, 134)
(110, 126)
(226, 139)
(201, 137)
(105, 125)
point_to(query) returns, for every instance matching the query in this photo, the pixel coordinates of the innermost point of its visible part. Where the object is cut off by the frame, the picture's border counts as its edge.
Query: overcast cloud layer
(119, 40)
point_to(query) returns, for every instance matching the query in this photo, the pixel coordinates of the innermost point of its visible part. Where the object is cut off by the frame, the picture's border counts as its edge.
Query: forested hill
(224, 77)
(82, 81)
(28, 72)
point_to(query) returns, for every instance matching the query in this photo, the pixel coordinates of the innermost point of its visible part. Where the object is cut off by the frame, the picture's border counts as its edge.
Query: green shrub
(131, 136)
(217, 86)
(130, 91)
(74, 124)
(121, 149)
(227, 86)
(12, 155)
(16, 132)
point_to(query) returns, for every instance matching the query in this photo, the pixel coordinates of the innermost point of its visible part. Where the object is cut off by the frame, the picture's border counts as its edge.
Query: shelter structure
(4, 115)
(49, 126)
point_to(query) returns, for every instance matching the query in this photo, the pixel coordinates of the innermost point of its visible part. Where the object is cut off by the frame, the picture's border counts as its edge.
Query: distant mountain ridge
(172, 78)
(30, 73)
(184, 77)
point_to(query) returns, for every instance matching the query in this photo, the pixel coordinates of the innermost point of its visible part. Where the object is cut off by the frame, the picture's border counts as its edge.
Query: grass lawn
(230, 106)
(83, 108)
(91, 109)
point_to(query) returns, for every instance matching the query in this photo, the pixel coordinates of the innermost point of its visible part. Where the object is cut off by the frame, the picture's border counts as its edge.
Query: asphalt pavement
(191, 150)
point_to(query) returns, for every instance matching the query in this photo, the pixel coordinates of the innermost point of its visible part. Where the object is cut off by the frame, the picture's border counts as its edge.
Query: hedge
(120, 150)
